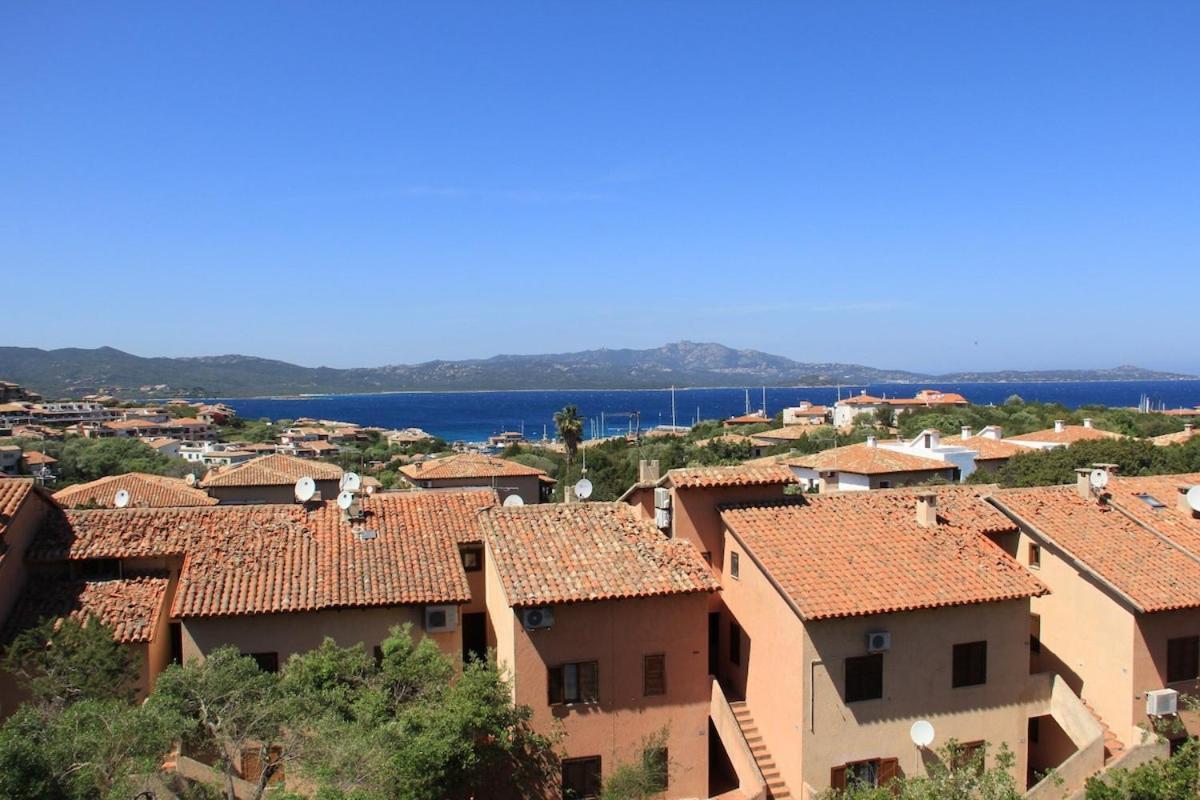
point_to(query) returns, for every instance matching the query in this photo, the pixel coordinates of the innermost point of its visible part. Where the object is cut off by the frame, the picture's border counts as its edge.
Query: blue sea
(473, 416)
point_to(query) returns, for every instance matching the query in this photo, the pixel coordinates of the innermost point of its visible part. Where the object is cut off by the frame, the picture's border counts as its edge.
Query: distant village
(798, 623)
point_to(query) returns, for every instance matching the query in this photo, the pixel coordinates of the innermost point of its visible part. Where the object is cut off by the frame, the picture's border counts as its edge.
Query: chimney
(1184, 505)
(1087, 422)
(648, 471)
(966, 431)
(927, 509)
(1059, 425)
(1188, 427)
(872, 441)
(1083, 482)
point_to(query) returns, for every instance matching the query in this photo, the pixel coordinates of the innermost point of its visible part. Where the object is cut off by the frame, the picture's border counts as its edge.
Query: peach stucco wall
(17, 536)
(617, 634)
(1150, 661)
(1086, 634)
(286, 634)
(792, 676)
(695, 518)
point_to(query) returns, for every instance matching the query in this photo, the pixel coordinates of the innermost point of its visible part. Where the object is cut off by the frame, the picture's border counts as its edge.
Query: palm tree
(570, 430)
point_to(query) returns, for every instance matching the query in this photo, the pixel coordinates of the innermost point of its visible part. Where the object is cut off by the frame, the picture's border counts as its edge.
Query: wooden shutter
(889, 770)
(837, 778)
(556, 686)
(589, 682)
(654, 675)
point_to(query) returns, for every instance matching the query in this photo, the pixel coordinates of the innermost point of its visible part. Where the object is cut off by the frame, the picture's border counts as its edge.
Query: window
(1035, 555)
(968, 755)
(885, 484)
(654, 675)
(875, 772)
(735, 567)
(1152, 501)
(1035, 729)
(101, 568)
(864, 678)
(581, 778)
(575, 683)
(377, 652)
(970, 664)
(735, 643)
(658, 767)
(1183, 659)
(472, 559)
(267, 662)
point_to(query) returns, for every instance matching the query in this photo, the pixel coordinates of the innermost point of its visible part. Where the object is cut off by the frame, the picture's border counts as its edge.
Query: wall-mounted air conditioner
(537, 618)
(1162, 702)
(662, 497)
(662, 518)
(879, 642)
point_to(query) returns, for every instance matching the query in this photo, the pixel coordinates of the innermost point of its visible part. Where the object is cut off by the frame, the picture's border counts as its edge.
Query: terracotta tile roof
(467, 465)
(731, 438)
(989, 449)
(860, 553)
(748, 419)
(861, 400)
(788, 433)
(929, 397)
(1179, 437)
(1181, 527)
(1152, 573)
(145, 491)
(556, 553)
(35, 458)
(1183, 412)
(130, 607)
(273, 470)
(1068, 435)
(13, 492)
(133, 424)
(262, 559)
(863, 459)
(712, 477)
(810, 411)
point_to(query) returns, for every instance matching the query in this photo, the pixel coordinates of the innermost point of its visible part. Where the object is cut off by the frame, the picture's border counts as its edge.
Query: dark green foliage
(67, 662)
(947, 778)
(1018, 417)
(1132, 456)
(1173, 778)
(642, 778)
(81, 460)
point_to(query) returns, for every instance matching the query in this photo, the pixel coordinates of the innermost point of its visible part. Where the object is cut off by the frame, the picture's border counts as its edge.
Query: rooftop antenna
(764, 400)
(747, 402)
(122, 498)
(305, 489)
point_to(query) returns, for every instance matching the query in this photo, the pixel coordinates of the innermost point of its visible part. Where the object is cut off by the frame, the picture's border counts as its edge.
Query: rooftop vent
(1087, 422)
(1059, 425)
(966, 431)
(872, 441)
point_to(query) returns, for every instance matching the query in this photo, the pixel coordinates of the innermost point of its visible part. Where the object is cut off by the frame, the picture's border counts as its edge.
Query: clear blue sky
(933, 186)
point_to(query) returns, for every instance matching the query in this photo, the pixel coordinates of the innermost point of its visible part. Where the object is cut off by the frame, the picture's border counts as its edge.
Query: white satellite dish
(306, 487)
(513, 500)
(1193, 498)
(345, 500)
(583, 489)
(370, 490)
(921, 733)
(122, 499)
(190, 479)
(350, 482)
(1098, 479)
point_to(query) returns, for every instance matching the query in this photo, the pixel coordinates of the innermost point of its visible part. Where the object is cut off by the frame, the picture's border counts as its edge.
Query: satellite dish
(513, 500)
(583, 489)
(345, 500)
(370, 490)
(306, 487)
(350, 482)
(921, 733)
(122, 499)
(1193, 498)
(190, 479)
(1098, 479)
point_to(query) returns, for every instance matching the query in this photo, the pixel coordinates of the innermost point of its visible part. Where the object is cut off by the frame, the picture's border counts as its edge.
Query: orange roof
(713, 477)
(732, 438)
(748, 419)
(863, 459)
(862, 400)
(988, 449)
(273, 470)
(133, 424)
(1180, 526)
(1068, 435)
(1153, 573)
(145, 491)
(930, 397)
(467, 465)
(130, 607)
(264, 559)
(1183, 412)
(860, 553)
(34, 457)
(788, 433)
(564, 553)
(1179, 437)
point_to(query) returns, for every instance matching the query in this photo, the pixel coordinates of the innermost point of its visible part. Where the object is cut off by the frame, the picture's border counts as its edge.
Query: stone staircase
(1113, 747)
(776, 788)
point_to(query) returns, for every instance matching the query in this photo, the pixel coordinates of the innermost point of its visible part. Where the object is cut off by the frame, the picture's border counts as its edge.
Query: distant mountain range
(74, 371)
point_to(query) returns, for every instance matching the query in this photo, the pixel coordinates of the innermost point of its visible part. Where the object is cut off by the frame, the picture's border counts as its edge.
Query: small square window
(970, 664)
(472, 559)
(574, 683)
(864, 678)
(1183, 659)
(735, 567)
(1035, 555)
(581, 778)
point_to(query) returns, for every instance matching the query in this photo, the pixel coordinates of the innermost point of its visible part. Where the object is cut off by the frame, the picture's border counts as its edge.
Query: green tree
(1162, 779)
(570, 430)
(644, 777)
(952, 775)
(61, 662)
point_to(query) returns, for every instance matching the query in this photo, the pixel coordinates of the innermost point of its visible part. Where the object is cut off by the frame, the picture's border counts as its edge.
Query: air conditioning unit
(662, 518)
(441, 619)
(662, 497)
(1162, 702)
(535, 618)
(879, 642)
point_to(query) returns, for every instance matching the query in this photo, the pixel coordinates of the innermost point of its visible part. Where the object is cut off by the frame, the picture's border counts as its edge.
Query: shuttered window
(968, 755)
(1183, 659)
(575, 683)
(970, 664)
(581, 778)
(654, 675)
(864, 678)
(871, 773)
